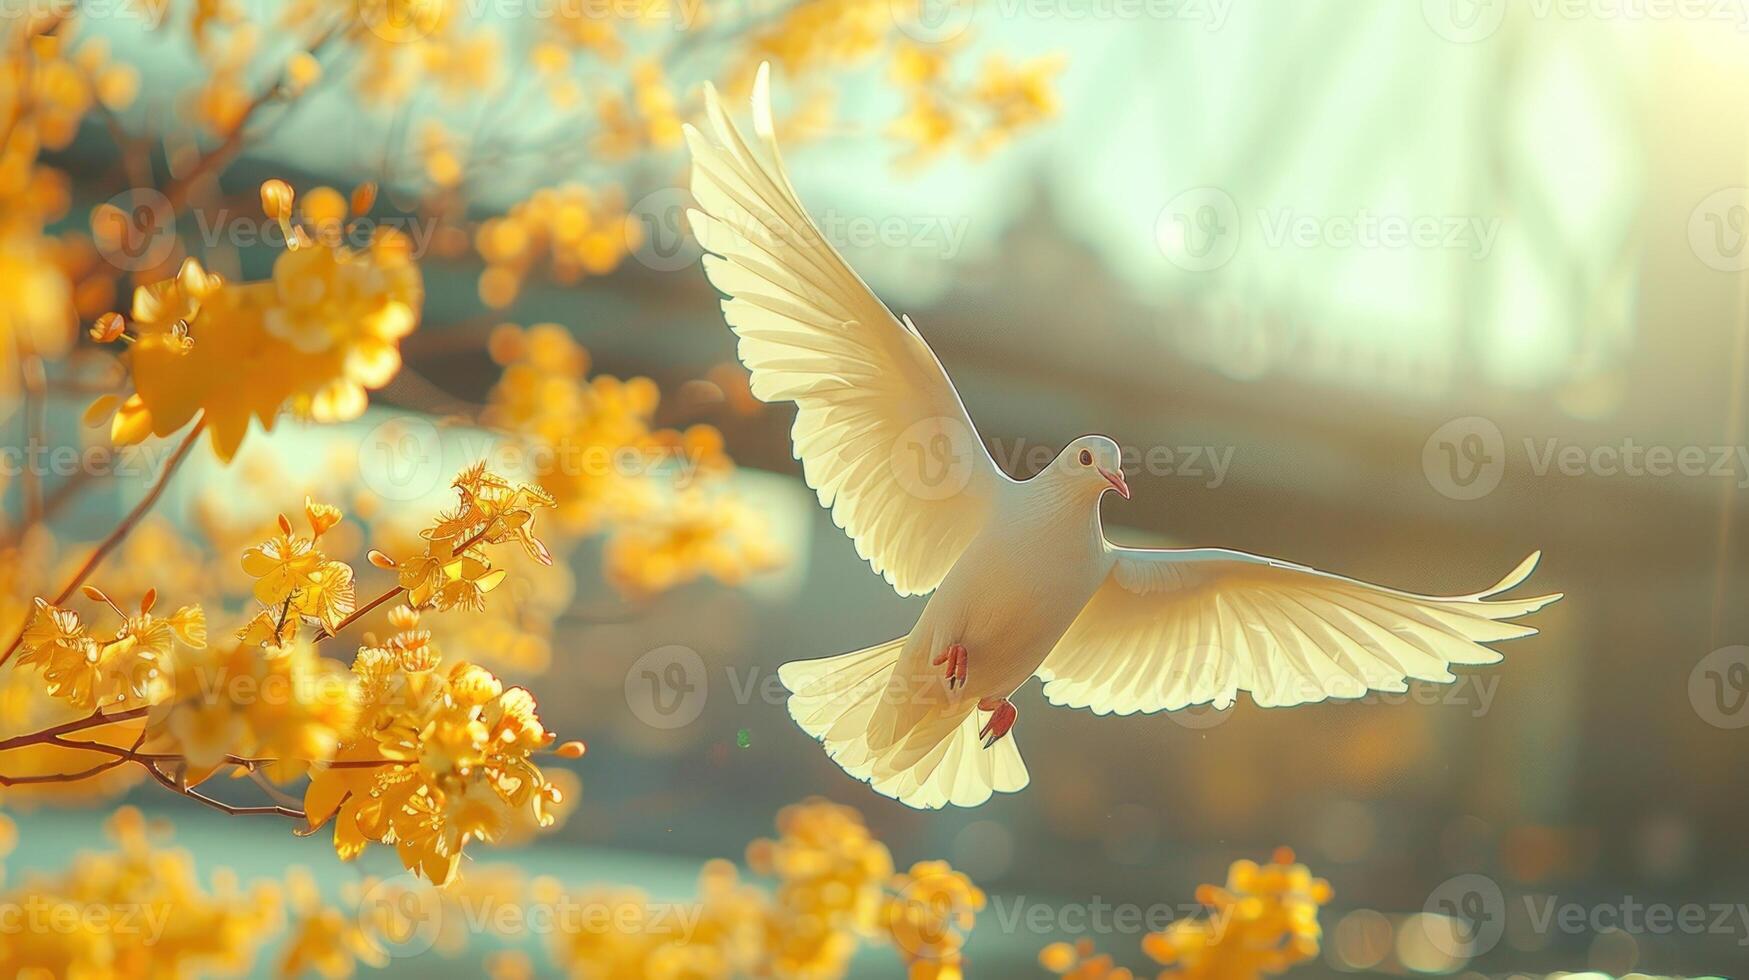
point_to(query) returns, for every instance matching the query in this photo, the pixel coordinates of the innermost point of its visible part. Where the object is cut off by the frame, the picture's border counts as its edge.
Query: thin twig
(326, 634)
(133, 755)
(35, 434)
(61, 777)
(93, 720)
(213, 160)
(121, 530)
(235, 811)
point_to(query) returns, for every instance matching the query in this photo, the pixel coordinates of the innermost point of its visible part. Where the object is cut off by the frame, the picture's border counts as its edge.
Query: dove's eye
(1086, 458)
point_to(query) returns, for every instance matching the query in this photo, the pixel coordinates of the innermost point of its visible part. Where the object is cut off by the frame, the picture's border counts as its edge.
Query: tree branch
(326, 634)
(121, 530)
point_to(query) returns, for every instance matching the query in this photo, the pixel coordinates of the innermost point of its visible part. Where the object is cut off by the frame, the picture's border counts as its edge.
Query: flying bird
(1024, 582)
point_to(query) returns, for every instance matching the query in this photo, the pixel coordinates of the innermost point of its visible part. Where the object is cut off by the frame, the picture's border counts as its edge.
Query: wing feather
(878, 423)
(1177, 627)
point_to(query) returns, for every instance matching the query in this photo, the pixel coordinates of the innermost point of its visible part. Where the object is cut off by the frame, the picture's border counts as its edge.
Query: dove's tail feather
(940, 761)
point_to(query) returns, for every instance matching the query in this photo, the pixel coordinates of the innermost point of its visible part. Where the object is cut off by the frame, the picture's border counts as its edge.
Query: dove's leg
(1002, 717)
(957, 662)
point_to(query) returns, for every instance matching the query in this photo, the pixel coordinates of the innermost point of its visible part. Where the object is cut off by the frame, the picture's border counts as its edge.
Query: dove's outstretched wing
(879, 429)
(1173, 628)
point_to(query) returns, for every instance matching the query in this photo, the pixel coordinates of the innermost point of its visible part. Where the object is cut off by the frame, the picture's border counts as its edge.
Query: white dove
(1025, 583)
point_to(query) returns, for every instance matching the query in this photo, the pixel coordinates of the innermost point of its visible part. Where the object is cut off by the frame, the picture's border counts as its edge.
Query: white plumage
(1024, 580)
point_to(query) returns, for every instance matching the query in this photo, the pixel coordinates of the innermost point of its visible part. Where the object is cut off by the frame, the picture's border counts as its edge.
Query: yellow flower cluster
(441, 755)
(404, 748)
(324, 938)
(455, 571)
(24, 708)
(295, 581)
(598, 453)
(940, 114)
(1263, 923)
(1001, 102)
(49, 83)
(127, 667)
(729, 927)
(137, 911)
(1269, 917)
(311, 339)
(929, 916)
(834, 889)
(831, 875)
(648, 120)
(220, 103)
(816, 34)
(570, 230)
(698, 531)
(281, 707)
(636, 936)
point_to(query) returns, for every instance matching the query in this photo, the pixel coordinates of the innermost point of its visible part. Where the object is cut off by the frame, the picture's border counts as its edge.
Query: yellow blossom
(127, 667)
(294, 578)
(196, 926)
(438, 759)
(1265, 921)
(310, 340)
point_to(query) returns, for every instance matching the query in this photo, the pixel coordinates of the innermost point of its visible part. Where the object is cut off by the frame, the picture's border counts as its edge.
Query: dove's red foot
(1002, 718)
(957, 662)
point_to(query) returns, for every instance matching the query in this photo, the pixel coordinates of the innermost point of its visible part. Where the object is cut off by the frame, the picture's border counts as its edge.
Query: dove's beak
(1117, 481)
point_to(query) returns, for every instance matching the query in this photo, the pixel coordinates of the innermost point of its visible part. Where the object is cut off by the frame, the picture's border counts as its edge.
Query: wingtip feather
(762, 102)
(1515, 577)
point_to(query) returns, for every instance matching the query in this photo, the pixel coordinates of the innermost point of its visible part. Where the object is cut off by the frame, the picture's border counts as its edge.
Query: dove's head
(1093, 462)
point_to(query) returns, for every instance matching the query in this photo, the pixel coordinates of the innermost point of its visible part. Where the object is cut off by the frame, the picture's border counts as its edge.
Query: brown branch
(271, 809)
(327, 634)
(132, 755)
(179, 187)
(61, 777)
(35, 382)
(67, 492)
(121, 530)
(148, 762)
(50, 735)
